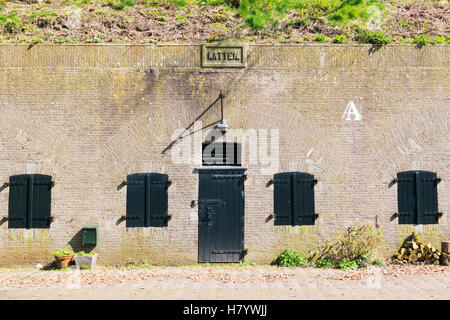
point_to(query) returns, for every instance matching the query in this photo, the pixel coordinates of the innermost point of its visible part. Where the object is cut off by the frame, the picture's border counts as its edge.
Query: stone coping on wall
(288, 57)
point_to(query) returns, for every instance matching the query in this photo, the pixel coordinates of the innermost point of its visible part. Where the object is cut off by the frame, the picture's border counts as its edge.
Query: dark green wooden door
(221, 215)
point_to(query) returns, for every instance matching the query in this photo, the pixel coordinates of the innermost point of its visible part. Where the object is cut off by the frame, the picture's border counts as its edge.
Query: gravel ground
(227, 282)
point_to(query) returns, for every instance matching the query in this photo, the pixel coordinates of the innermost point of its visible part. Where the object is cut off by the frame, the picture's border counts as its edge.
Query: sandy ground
(223, 282)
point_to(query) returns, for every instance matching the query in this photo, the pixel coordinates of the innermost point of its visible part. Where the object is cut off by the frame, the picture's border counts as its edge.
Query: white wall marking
(351, 110)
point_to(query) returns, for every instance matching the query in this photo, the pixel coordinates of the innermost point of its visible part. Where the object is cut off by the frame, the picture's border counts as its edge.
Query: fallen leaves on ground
(111, 276)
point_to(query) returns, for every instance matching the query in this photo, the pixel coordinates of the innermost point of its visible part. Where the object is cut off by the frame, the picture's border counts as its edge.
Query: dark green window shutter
(406, 196)
(40, 195)
(427, 200)
(303, 195)
(158, 200)
(136, 200)
(282, 197)
(18, 201)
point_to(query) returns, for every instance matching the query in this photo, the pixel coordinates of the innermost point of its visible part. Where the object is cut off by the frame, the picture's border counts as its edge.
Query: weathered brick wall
(90, 114)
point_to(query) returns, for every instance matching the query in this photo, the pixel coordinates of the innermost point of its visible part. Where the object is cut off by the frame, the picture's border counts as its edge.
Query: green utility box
(89, 236)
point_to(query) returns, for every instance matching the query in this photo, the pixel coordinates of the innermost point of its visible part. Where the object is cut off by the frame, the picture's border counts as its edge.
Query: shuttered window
(29, 201)
(417, 197)
(294, 198)
(147, 200)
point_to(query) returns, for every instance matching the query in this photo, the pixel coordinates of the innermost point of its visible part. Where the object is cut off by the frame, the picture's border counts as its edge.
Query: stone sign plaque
(223, 55)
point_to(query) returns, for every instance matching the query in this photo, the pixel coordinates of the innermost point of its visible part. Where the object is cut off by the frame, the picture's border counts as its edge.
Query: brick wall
(90, 114)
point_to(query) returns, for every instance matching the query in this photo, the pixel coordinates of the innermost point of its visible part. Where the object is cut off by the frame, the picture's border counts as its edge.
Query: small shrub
(290, 258)
(84, 254)
(358, 241)
(36, 40)
(324, 263)
(362, 261)
(320, 38)
(340, 39)
(11, 23)
(137, 263)
(345, 11)
(378, 263)
(62, 252)
(423, 39)
(346, 264)
(80, 3)
(63, 39)
(441, 40)
(94, 39)
(375, 38)
(121, 4)
(84, 267)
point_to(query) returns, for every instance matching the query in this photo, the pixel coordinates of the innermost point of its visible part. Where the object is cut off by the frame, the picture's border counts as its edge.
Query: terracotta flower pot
(63, 261)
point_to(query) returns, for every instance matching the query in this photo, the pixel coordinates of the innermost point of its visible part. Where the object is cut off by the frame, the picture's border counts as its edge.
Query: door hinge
(49, 219)
(131, 217)
(168, 217)
(403, 214)
(207, 202)
(314, 181)
(402, 180)
(432, 214)
(307, 216)
(12, 219)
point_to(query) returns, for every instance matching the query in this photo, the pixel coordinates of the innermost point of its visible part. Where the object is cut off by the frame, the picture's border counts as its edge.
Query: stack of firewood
(414, 251)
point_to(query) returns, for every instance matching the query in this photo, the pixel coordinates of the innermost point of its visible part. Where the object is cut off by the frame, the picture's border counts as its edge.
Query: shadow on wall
(76, 244)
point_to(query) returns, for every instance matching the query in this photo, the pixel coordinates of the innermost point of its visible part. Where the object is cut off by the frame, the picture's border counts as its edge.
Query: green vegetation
(347, 11)
(260, 13)
(376, 22)
(340, 39)
(84, 254)
(346, 264)
(290, 258)
(63, 39)
(136, 263)
(84, 267)
(362, 261)
(62, 252)
(246, 264)
(324, 263)
(320, 38)
(210, 2)
(375, 38)
(356, 247)
(11, 23)
(94, 39)
(378, 263)
(121, 4)
(80, 3)
(423, 39)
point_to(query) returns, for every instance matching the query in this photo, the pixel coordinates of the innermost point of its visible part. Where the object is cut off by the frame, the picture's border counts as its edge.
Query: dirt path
(261, 282)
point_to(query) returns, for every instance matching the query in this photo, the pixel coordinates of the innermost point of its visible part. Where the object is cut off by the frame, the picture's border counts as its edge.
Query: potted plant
(63, 257)
(85, 260)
